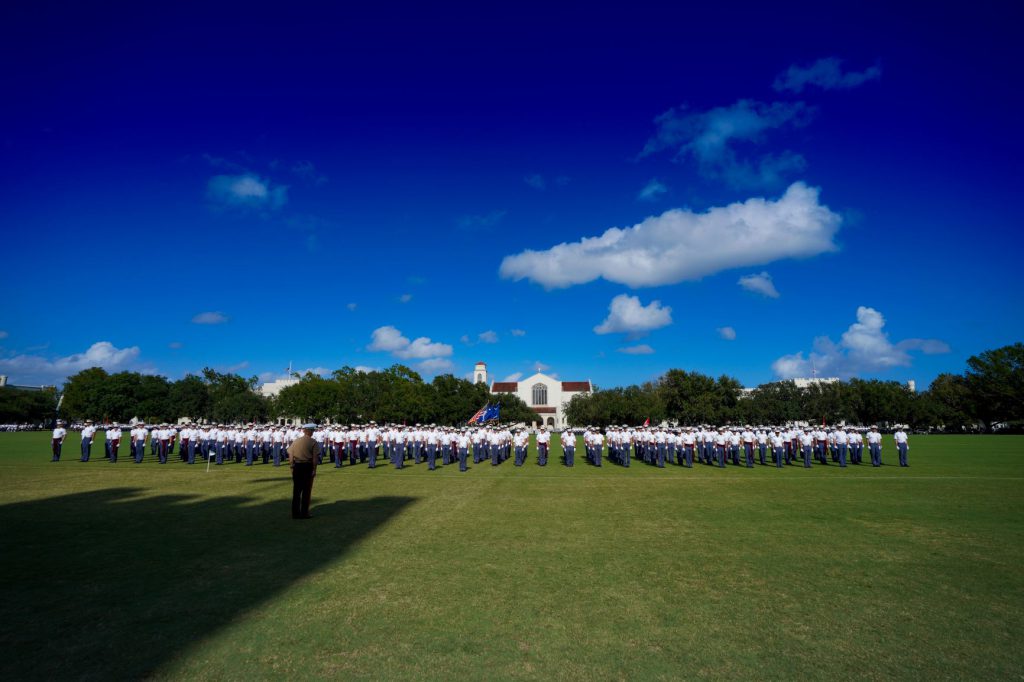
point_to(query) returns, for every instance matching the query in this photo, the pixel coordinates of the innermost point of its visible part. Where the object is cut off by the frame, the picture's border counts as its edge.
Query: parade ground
(124, 571)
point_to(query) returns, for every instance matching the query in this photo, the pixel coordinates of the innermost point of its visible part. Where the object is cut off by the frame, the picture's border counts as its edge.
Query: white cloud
(652, 190)
(727, 333)
(627, 315)
(213, 317)
(351, 306)
(683, 245)
(540, 366)
(760, 283)
(535, 181)
(826, 73)
(365, 369)
(641, 349)
(435, 366)
(37, 369)
(3, 334)
(465, 339)
(387, 339)
(246, 191)
(488, 337)
(390, 340)
(863, 348)
(710, 137)
(514, 376)
(518, 332)
(405, 298)
(175, 345)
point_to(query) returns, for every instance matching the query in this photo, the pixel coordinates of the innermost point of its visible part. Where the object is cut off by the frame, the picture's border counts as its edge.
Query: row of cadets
(875, 446)
(112, 442)
(138, 441)
(88, 432)
(594, 442)
(57, 440)
(568, 440)
(521, 441)
(462, 443)
(543, 443)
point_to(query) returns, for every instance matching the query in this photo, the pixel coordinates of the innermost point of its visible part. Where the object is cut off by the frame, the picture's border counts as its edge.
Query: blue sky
(237, 187)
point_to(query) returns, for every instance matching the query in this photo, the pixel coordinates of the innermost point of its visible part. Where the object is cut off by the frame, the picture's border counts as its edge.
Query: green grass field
(129, 571)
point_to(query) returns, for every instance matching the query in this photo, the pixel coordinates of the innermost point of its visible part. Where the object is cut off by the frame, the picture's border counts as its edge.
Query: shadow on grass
(111, 585)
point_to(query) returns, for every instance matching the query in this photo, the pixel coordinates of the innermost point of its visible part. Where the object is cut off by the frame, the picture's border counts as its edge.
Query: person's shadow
(111, 585)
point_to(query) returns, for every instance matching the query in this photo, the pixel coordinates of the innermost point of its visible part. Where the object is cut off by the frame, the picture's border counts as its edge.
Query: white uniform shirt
(59, 433)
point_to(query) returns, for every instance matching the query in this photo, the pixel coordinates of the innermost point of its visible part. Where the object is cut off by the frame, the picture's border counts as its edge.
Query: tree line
(394, 395)
(989, 393)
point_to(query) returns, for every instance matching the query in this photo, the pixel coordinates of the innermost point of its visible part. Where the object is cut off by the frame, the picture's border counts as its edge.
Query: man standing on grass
(902, 445)
(303, 455)
(59, 434)
(113, 441)
(87, 434)
(875, 446)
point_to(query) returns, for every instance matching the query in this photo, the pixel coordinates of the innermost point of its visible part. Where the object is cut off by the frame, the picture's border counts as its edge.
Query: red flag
(647, 422)
(479, 413)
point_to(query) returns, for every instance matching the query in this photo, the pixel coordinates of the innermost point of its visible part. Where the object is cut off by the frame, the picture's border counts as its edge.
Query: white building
(807, 383)
(272, 388)
(545, 395)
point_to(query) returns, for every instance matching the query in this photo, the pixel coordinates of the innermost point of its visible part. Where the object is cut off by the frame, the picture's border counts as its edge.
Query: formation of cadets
(398, 445)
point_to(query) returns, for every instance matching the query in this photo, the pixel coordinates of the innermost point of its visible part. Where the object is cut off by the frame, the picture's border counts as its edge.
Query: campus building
(544, 394)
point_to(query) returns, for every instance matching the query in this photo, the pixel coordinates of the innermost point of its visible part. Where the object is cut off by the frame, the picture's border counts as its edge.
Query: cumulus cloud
(488, 337)
(825, 73)
(863, 348)
(651, 191)
(710, 138)
(727, 333)
(760, 283)
(627, 315)
(435, 366)
(514, 376)
(247, 190)
(212, 317)
(518, 332)
(37, 369)
(640, 349)
(681, 244)
(389, 339)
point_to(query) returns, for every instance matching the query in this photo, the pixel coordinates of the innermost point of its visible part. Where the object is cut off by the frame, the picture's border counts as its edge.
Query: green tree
(949, 399)
(18, 406)
(85, 394)
(996, 382)
(189, 397)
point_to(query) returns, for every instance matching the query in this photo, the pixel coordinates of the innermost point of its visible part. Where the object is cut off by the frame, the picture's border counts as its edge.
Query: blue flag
(492, 412)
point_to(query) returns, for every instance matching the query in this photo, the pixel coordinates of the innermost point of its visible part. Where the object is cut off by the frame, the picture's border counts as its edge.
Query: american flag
(479, 413)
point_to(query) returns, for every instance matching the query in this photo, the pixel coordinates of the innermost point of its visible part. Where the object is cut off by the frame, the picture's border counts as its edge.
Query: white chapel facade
(545, 395)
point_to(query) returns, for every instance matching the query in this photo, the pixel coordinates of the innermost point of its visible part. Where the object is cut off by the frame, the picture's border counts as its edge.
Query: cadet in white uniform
(902, 445)
(87, 434)
(57, 440)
